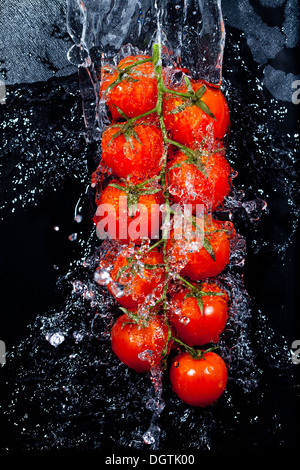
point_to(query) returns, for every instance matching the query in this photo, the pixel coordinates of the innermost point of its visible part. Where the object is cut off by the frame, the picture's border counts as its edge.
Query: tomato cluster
(163, 152)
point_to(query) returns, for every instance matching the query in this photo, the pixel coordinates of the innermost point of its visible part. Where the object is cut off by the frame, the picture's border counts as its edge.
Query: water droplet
(78, 218)
(55, 339)
(184, 320)
(148, 438)
(73, 237)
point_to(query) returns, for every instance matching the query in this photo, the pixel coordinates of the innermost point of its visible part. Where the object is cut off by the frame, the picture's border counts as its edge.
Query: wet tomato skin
(114, 218)
(198, 263)
(135, 94)
(198, 382)
(191, 125)
(137, 158)
(189, 185)
(194, 328)
(138, 286)
(129, 340)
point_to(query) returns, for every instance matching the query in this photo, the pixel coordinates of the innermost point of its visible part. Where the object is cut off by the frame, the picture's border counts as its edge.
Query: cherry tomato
(140, 344)
(134, 93)
(206, 256)
(198, 382)
(134, 151)
(129, 213)
(135, 278)
(199, 315)
(199, 179)
(189, 120)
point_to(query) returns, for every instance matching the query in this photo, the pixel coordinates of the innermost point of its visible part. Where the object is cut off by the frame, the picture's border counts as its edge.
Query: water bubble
(149, 438)
(146, 355)
(56, 228)
(78, 218)
(78, 336)
(155, 404)
(102, 277)
(55, 339)
(184, 320)
(73, 237)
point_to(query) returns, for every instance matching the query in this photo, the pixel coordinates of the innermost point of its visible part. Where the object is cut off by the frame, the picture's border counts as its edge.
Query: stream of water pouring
(194, 35)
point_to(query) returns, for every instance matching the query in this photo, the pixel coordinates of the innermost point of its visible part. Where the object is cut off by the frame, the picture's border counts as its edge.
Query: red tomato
(118, 216)
(140, 345)
(194, 258)
(198, 382)
(135, 152)
(193, 326)
(132, 280)
(188, 123)
(135, 93)
(199, 179)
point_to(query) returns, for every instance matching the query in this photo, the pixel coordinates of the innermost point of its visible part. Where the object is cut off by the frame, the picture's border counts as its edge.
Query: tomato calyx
(194, 353)
(127, 73)
(205, 242)
(194, 157)
(135, 318)
(197, 293)
(192, 98)
(135, 266)
(127, 129)
(134, 191)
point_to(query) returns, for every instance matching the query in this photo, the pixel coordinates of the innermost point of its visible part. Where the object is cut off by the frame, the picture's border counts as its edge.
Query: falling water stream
(71, 391)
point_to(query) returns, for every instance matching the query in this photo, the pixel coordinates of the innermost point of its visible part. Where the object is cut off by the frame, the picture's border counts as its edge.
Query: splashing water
(71, 390)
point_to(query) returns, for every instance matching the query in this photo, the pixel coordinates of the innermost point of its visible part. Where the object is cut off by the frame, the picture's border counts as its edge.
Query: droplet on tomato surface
(221, 384)
(176, 364)
(146, 355)
(184, 320)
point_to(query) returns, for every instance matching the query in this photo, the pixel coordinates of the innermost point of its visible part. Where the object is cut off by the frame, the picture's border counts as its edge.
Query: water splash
(61, 387)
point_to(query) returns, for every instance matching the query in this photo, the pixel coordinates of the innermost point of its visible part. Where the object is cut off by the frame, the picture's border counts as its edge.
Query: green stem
(187, 283)
(158, 109)
(155, 245)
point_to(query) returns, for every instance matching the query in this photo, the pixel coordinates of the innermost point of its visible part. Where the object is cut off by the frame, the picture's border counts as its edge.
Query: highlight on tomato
(199, 380)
